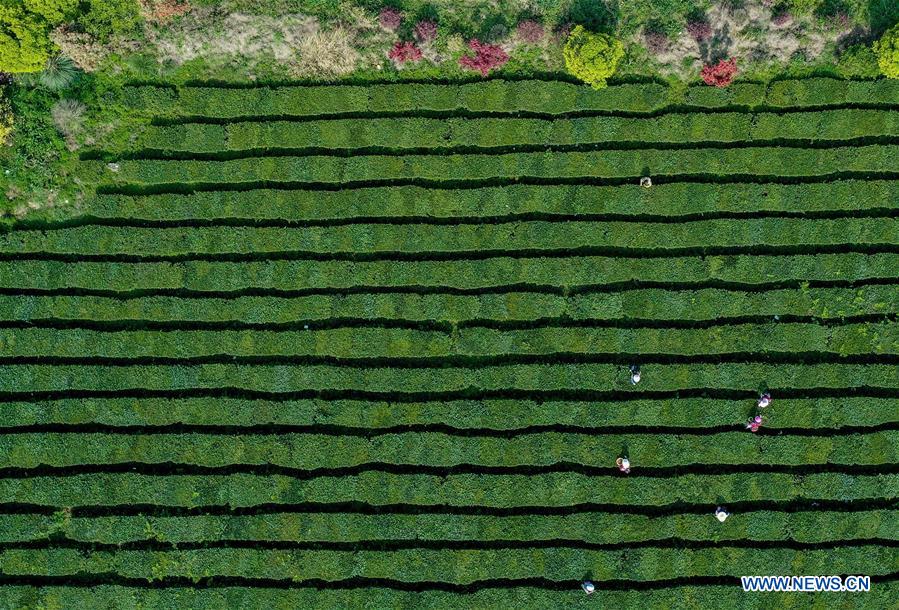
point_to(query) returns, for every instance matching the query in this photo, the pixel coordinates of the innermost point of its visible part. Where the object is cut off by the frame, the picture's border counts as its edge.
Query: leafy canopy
(24, 40)
(591, 57)
(887, 51)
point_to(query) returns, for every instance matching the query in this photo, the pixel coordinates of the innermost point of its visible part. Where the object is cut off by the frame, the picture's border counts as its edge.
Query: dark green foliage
(106, 19)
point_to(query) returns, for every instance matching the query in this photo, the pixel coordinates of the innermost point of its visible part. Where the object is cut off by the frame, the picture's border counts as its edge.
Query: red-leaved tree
(486, 57)
(700, 31)
(425, 31)
(390, 18)
(720, 74)
(530, 31)
(404, 51)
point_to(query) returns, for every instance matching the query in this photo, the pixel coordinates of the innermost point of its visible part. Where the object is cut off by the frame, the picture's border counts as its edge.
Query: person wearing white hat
(721, 514)
(623, 464)
(588, 587)
(635, 374)
(764, 400)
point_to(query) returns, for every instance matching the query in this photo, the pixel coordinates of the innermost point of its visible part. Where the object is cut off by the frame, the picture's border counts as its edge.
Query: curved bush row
(758, 339)
(536, 235)
(461, 567)
(417, 133)
(567, 492)
(728, 596)
(637, 304)
(807, 527)
(553, 97)
(675, 199)
(820, 413)
(457, 275)
(500, 378)
(315, 451)
(769, 161)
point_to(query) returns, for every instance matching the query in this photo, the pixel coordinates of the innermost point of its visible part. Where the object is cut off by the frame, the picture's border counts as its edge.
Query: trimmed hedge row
(874, 338)
(770, 161)
(177, 598)
(674, 199)
(598, 528)
(563, 490)
(820, 413)
(316, 451)
(464, 275)
(419, 133)
(497, 378)
(497, 96)
(639, 304)
(423, 238)
(451, 566)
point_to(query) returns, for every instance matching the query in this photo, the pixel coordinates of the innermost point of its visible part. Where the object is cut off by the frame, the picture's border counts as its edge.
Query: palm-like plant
(59, 73)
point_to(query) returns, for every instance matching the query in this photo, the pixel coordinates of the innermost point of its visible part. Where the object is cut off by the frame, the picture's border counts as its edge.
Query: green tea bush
(591, 57)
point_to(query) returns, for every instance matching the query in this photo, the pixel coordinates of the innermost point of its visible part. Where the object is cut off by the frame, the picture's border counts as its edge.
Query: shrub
(52, 11)
(24, 44)
(404, 51)
(6, 119)
(425, 31)
(858, 60)
(106, 19)
(486, 57)
(720, 74)
(591, 57)
(656, 42)
(700, 31)
(530, 31)
(887, 51)
(68, 116)
(59, 73)
(390, 19)
(781, 18)
(83, 49)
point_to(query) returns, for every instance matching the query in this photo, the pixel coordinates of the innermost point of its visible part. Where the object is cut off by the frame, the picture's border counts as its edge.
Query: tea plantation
(369, 346)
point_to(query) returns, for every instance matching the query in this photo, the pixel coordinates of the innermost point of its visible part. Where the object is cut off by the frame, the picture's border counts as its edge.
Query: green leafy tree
(24, 40)
(591, 57)
(53, 12)
(107, 18)
(858, 60)
(887, 51)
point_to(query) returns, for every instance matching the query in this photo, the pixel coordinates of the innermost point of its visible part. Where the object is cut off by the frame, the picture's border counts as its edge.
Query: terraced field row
(368, 346)
(496, 417)
(693, 130)
(673, 202)
(500, 239)
(533, 97)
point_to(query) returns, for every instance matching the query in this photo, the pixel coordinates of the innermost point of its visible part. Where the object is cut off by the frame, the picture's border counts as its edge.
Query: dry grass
(326, 53)
(68, 116)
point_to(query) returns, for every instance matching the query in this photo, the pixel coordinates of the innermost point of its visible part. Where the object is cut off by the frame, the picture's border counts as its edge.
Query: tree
(591, 57)
(24, 39)
(887, 51)
(53, 12)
